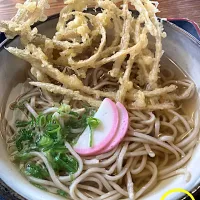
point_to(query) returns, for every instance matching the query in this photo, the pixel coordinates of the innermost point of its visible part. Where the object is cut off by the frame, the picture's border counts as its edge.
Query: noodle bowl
(142, 158)
(158, 143)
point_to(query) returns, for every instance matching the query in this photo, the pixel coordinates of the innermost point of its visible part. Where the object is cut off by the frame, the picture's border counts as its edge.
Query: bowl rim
(6, 42)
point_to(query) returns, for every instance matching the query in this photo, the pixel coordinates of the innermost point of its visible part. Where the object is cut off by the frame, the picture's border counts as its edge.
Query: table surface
(169, 8)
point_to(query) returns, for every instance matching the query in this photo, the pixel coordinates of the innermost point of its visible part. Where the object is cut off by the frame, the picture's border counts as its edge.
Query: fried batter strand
(98, 53)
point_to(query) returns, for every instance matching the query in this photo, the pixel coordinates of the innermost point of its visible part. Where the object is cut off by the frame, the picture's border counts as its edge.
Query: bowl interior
(178, 46)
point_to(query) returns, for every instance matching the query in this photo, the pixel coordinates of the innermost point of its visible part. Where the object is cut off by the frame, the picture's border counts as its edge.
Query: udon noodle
(104, 52)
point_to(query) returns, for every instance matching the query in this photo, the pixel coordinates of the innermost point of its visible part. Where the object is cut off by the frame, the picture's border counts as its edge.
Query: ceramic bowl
(182, 48)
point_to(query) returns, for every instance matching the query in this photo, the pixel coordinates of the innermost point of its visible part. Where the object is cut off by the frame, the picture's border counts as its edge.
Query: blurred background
(169, 8)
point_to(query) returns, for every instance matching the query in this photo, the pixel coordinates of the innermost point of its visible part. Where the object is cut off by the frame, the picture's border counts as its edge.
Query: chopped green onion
(65, 163)
(20, 124)
(53, 130)
(39, 186)
(22, 156)
(36, 171)
(45, 134)
(24, 135)
(92, 123)
(58, 147)
(49, 118)
(91, 138)
(62, 193)
(71, 177)
(64, 108)
(74, 114)
(42, 120)
(45, 141)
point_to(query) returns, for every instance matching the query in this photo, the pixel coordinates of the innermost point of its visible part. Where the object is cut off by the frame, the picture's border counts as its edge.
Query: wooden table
(169, 8)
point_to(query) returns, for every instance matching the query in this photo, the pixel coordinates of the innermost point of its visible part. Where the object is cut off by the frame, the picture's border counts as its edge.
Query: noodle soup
(165, 123)
(69, 82)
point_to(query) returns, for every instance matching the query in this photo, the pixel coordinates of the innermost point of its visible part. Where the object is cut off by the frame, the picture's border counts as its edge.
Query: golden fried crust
(70, 93)
(113, 40)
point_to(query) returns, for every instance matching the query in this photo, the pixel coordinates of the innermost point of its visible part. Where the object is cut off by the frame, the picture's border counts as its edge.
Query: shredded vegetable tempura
(83, 41)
